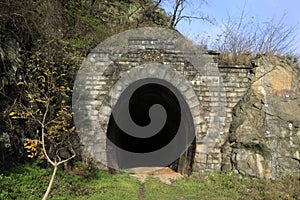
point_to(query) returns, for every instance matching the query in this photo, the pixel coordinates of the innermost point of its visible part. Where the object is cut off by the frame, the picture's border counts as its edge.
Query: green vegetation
(42, 44)
(29, 182)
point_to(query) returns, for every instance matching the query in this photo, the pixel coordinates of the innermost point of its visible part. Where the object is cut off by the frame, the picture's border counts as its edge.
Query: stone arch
(94, 96)
(166, 73)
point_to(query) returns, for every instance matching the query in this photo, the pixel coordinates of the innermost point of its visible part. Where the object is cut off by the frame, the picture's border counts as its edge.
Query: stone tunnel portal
(164, 121)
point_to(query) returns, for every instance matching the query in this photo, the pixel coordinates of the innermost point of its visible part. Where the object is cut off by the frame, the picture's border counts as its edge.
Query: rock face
(264, 136)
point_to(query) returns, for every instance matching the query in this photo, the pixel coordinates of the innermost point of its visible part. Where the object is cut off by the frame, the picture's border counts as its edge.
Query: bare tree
(179, 11)
(178, 14)
(243, 34)
(276, 37)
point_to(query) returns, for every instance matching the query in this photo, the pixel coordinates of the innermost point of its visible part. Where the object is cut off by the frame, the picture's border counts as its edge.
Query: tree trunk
(50, 183)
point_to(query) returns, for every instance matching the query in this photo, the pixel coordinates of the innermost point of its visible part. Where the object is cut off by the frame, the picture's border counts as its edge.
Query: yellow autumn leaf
(12, 113)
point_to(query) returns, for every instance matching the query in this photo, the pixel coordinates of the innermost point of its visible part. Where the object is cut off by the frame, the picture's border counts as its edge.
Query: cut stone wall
(210, 94)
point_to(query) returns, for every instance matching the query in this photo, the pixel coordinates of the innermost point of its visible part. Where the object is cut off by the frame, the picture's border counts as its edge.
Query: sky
(259, 10)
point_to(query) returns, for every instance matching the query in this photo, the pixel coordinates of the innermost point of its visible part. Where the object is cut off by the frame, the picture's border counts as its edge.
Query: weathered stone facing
(236, 80)
(207, 92)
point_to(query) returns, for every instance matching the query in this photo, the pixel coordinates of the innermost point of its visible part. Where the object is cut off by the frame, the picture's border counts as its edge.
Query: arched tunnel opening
(175, 138)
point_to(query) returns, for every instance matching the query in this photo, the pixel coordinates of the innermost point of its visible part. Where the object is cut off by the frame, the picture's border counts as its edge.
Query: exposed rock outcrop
(264, 139)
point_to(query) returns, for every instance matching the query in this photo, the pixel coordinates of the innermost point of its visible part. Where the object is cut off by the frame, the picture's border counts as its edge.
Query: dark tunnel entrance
(171, 123)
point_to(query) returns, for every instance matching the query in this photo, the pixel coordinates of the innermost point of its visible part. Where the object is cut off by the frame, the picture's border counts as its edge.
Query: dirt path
(141, 193)
(164, 174)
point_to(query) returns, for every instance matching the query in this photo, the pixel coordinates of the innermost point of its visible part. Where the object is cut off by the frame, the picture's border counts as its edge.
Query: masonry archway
(172, 128)
(140, 54)
(160, 85)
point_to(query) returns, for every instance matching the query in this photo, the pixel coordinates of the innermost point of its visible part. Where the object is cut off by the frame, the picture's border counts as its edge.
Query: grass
(30, 182)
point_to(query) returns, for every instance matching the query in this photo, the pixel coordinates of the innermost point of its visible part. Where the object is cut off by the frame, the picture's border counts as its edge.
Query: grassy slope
(30, 183)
